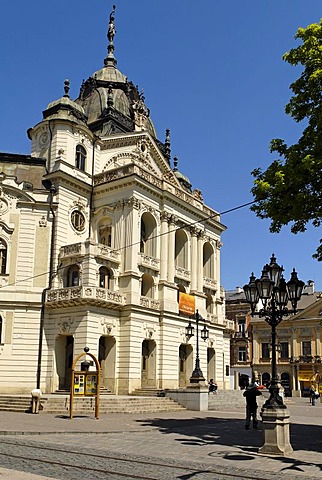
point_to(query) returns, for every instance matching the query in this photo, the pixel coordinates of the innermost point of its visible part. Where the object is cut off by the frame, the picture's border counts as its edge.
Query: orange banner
(186, 304)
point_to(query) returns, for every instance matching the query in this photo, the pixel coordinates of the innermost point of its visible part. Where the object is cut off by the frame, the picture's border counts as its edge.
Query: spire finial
(110, 60)
(175, 164)
(66, 87)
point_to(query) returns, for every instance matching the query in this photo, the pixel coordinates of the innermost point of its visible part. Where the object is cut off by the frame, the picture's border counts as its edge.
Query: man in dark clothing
(251, 405)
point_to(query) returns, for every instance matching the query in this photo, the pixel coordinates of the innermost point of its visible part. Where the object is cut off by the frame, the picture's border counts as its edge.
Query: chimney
(309, 288)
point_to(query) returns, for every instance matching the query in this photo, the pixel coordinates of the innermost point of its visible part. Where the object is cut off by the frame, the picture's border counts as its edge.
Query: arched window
(181, 289)
(181, 249)
(1, 326)
(3, 257)
(147, 285)
(105, 276)
(80, 157)
(105, 235)
(148, 235)
(209, 304)
(208, 260)
(72, 279)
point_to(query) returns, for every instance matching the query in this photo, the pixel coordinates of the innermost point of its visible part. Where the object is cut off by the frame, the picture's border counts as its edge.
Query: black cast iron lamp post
(197, 375)
(274, 294)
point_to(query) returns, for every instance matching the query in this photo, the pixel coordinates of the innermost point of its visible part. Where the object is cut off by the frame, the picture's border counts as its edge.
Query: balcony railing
(210, 283)
(149, 262)
(86, 248)
(73, 296)
(306, 359)
(181, 272)
(149, 303)
(241, 335)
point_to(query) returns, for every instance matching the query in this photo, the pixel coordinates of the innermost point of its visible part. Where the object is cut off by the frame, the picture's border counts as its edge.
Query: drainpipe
(52, 190)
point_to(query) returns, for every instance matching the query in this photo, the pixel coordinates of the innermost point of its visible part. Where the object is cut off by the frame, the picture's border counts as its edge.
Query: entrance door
(148, 368)
(64, 353)
(285, 382)
(185, 364)
(106, 358)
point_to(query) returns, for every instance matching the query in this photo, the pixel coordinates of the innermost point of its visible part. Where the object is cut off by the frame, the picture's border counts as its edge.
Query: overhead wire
(209, 217)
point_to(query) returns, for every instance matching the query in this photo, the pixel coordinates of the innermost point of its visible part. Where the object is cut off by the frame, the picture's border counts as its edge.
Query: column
(171, 248)
(194, 260)
(200, 261)
(132, 234)
(164, 246)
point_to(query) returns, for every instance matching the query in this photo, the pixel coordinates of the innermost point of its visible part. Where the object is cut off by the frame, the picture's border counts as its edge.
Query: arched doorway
(211, 364)
(107, 361)
(64, 354)
(148, 366)
(266, 378)
(185, 364)
(286, 384)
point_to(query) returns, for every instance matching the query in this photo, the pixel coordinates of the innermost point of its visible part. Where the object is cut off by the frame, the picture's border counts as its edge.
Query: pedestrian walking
(251, 405)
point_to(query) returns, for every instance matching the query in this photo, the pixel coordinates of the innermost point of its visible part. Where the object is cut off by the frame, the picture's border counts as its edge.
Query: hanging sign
(187, 304)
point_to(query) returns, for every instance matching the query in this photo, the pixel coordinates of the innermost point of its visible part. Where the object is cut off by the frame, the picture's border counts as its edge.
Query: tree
(290, 190)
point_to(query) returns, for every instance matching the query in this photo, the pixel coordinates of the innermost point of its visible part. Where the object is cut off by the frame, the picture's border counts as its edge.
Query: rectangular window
(306, 348)
(241, 326)
(242, 354)
(284, 350)
(265, 351)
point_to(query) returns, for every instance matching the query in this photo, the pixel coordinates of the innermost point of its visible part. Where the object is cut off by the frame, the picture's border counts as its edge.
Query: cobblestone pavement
(191, 443)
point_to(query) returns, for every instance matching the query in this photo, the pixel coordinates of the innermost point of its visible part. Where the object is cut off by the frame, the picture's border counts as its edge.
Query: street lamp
(274, 294)
(197, 375)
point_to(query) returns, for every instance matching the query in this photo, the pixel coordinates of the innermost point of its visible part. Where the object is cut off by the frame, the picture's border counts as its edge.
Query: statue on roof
(111, 26)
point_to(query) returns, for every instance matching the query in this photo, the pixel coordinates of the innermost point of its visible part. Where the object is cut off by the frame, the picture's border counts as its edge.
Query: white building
(98, 234)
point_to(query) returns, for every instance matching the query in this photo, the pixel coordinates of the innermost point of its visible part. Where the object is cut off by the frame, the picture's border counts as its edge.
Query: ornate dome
(111, 103)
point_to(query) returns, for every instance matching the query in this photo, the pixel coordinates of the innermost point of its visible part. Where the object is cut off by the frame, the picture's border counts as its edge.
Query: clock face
(78, 220)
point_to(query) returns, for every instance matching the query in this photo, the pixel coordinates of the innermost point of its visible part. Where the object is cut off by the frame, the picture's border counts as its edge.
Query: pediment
(312, 311)
(10, 194)
(145, 154)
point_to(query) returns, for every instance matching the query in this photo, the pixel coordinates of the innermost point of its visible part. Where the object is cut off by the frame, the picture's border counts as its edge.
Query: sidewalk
(216, 438)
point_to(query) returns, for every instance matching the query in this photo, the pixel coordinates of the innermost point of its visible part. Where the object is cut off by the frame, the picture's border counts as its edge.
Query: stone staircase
(148, 392)
(226, 400)
(59, 404)
(15, 403)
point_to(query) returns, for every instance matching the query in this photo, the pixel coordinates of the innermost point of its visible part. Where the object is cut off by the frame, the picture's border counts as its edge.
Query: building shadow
(231, 432)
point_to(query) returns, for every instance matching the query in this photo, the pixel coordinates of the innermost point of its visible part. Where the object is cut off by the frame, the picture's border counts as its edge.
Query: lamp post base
(276, 426)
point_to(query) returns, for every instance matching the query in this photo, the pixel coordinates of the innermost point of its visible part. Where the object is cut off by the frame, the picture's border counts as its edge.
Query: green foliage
(290, 190)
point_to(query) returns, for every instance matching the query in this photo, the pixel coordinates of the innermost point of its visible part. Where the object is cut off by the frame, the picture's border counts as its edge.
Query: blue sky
(212, 72)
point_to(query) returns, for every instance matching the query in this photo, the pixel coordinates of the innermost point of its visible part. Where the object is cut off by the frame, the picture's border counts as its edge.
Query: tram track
(98, 465)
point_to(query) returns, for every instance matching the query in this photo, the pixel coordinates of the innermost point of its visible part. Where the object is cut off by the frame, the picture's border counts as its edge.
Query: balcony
(306, 359)
(210, 283)
(241, 335)
(76, 296)
(229, 325)
(149, 262)
(87, 248)
(213, 319)
(147, 302)
(182, 273)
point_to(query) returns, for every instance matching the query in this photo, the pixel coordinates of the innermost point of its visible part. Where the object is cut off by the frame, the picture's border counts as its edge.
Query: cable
(137, 243)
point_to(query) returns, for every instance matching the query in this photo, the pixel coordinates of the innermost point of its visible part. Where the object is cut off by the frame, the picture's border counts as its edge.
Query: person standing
(312, 395)
(251, 394)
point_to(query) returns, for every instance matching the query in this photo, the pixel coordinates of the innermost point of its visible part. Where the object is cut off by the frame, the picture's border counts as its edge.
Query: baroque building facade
(98, 235)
